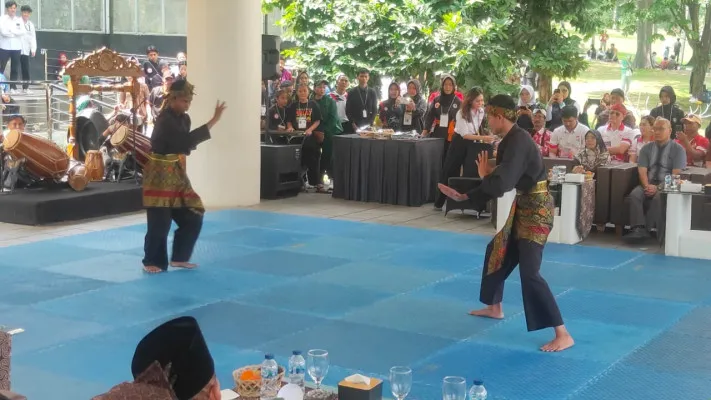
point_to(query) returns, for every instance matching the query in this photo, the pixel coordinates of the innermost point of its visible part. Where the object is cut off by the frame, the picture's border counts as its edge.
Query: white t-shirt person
(567, 143)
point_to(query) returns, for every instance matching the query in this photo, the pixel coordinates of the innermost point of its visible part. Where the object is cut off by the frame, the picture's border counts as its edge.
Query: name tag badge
(407, 120)
(444, 121)
(264, 111)
(365, 113)
(302, 123)
(281, 127)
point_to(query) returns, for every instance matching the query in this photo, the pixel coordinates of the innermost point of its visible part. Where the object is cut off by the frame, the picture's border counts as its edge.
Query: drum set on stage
(30, 161)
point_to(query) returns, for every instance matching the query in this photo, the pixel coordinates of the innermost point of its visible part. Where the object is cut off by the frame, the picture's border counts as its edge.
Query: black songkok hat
(503, 101)
(180, 348)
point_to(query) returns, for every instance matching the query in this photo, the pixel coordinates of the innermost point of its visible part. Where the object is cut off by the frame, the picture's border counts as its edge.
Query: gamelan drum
(44, 159)
(77, 177)
(95, 166)
(122, 140)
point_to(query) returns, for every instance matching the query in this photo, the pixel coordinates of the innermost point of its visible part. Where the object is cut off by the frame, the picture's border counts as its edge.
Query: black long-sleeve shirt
(360, 99)
(172, 134)
(519, 165)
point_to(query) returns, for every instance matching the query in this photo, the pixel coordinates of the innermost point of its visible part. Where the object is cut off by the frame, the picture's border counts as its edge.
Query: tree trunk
(545, 87)
(698, 73)
(644, 38)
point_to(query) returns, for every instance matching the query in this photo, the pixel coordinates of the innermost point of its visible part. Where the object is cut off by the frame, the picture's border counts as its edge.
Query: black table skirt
(396, 172)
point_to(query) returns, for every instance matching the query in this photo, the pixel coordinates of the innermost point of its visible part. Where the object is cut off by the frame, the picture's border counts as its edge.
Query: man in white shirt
(568, 140)
(29, 45)
(11, 33)
(617, 137)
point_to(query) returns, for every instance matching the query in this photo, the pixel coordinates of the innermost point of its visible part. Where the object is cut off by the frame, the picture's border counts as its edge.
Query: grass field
(602, 77)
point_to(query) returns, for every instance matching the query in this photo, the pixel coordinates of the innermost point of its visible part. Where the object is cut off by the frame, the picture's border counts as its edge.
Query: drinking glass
(400, 381)
(454, 388)
(317, 365)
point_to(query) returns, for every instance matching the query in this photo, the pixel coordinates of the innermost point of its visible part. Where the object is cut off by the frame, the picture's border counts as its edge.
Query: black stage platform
(43, 206)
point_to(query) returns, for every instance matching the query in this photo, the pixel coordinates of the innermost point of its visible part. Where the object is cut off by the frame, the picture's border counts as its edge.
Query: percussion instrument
(77, 177)
(95, 165)
(90, 124)
(43, 158)
(123, 139)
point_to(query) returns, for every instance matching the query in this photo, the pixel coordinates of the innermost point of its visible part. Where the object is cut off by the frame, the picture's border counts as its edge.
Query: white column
(678, 222)
(225, 62)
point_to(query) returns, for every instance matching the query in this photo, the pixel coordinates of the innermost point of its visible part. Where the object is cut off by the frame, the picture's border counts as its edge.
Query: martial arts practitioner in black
(167, 193)
(523, 237)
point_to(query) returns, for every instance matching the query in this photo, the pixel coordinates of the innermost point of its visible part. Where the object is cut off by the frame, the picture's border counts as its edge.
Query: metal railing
(52, 67)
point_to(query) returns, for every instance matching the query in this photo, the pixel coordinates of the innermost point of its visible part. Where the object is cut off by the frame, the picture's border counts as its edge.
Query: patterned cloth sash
(166, 184)
(5, 350)
(530, 218)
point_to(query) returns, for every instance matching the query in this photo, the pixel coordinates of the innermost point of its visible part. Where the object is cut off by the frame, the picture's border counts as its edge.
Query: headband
(501, 111)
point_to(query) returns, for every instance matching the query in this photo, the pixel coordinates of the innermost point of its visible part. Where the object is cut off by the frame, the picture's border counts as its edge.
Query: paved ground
(373, 294)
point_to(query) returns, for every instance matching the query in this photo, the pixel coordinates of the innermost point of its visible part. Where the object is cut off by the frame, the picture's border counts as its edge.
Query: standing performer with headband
(522, 239)
(167, 193)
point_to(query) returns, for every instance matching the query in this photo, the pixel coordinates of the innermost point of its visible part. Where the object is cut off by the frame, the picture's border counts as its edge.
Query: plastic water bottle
(478, 391)
(668, 182)
(297, 369)
(270, 378)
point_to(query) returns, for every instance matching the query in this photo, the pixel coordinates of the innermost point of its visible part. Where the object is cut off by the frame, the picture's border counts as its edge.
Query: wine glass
(400, 381)
(454, 388)
(317, 365)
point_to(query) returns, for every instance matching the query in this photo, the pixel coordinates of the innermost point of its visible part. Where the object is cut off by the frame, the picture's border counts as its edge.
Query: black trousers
(539, 303)
(311, 160)
(14, 57)
(460, 153)
(184, 238)
(25, 65)
(326, 163)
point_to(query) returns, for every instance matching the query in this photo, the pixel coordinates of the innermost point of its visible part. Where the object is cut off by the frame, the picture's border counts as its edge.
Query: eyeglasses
(615, 113)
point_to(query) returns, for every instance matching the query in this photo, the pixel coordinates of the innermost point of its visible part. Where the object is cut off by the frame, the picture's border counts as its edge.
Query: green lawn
(601, 77)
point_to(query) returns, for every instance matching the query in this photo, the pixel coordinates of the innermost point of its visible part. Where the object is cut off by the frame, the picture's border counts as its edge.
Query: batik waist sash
(166, 184)
(530, 218)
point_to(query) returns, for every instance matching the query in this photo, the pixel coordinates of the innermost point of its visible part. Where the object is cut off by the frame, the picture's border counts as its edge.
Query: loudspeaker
(271, 46)
(280, 170)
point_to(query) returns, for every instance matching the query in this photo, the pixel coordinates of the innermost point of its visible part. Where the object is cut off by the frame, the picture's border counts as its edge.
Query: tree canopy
(482, 42)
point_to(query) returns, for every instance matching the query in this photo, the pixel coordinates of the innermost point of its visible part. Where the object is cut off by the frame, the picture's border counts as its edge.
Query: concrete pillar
(224, 62)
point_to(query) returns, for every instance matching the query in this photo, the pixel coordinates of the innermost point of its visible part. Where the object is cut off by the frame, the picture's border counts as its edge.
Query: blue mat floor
(373, 295)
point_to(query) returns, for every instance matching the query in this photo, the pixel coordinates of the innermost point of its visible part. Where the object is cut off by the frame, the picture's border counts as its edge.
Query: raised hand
(219, 109)
(483, 164)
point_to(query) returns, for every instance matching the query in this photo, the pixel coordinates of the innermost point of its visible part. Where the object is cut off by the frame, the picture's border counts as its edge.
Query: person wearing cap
(569, 139)
(171, 362)
(167, 193)
(340, 96)
(540, 134)
(617, 137)
(617, 96)
(151, 68)
(655, 161)
(158, 94)
(330, 126)
(696, 146)
(521, 241)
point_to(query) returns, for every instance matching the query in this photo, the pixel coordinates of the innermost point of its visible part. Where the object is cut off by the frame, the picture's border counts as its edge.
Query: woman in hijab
(389, 111)
(414, 107)
(594, 154)
(526, 105)
(560, 99)
(442, 113)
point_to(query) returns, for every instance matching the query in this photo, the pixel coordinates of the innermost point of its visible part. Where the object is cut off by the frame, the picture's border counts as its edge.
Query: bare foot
(185, 265)
(152, 269)
(494, 312)
(562, 340)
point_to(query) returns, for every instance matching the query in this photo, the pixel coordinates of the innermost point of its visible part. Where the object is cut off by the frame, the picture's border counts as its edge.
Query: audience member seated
(617, 137)
(171, 362)
(695, 145)
(593, 156)
(569, 139)
(617, 96)
(526, 104)
(669, 109)
(646, 136)
(611, 54)
(277, 113)
(655, 161)
(541, 135)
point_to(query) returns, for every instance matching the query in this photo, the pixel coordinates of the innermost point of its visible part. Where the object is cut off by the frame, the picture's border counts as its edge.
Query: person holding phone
(561, 98)
(669, 110)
